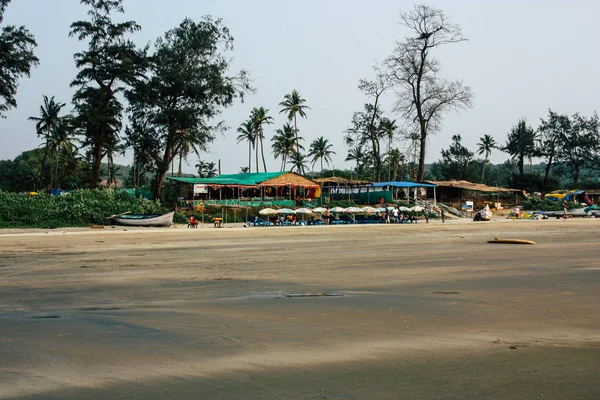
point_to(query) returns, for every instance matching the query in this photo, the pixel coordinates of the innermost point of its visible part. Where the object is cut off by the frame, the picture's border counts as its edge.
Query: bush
(77, 208)
(534, 204)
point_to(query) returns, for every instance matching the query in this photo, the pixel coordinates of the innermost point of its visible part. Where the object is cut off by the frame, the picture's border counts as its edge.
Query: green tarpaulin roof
(251, 179)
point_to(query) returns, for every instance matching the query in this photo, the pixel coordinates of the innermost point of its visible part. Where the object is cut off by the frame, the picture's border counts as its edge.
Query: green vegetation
(173, 91)
(77, 208)
(547, 205)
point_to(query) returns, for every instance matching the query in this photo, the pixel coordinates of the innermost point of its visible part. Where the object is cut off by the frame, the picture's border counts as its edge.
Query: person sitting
(193, 222)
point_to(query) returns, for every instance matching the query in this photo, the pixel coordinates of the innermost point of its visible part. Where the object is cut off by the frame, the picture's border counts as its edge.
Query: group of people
(397, 216)
(392, 216)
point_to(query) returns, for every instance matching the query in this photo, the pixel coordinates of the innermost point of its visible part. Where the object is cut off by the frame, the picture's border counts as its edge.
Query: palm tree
(293, 105)
(61, 142)
(356, 153)
(388, 128)
(244, 170)
(395, 159)
(246, 132)
(485, 146)
(206, 169)
(46, 124)
(284, 143)
(259, 116)
(112, 145)
(298, 162)
(320, 148)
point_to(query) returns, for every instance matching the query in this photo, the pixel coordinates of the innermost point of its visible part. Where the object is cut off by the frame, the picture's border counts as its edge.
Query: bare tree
(424, 96)
(375, 89)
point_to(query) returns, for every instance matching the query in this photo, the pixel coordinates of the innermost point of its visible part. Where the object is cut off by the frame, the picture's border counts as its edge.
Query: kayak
(510, 241)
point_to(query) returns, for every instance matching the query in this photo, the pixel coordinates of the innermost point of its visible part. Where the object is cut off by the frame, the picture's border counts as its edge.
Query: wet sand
(350, 312)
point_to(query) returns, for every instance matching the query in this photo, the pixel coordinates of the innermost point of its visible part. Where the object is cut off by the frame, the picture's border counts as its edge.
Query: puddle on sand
(263, 296)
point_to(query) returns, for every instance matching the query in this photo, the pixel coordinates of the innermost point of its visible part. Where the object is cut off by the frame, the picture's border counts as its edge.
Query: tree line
(173, 90)
(567, 144)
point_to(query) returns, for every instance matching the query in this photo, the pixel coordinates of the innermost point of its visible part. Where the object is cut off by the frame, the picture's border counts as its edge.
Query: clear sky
(522, 58)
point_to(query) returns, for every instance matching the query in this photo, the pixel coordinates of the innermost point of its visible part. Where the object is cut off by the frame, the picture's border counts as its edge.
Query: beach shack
(415, 191)
(284, 189)
(459, 192)
(338, 188)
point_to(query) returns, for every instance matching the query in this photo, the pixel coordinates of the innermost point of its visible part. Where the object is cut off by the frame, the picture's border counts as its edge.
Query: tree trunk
(249, 156)
(179, 171)
(256, 148)
(483, 172)
(297, 141)
(108, 173)
(421, 172)
(548, 166)
(262, 151)
(157, 189)
(44, 162)
(56, 171)
(389, 161)
(576, 175)
(521, 162)
(321, 164)
(97, 165)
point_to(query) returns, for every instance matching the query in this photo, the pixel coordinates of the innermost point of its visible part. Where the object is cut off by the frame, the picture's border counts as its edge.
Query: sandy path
(419, 311)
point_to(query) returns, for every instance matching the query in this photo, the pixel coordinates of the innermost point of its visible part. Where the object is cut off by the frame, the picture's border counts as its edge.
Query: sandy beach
(425, 311)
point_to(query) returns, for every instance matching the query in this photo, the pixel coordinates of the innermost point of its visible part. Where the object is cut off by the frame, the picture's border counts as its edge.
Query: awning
(403, 184)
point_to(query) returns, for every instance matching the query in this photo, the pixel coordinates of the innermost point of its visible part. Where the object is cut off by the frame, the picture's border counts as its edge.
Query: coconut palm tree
(46, 124)
(485, 146)
(388, 127)
(298, 162)
(259, 117)
(320, 148)
(62, 142)
(112, 145)
(246, 132)
(395, 159)
(206, 169)
(284, 143)
(356, 153)
(293, 105)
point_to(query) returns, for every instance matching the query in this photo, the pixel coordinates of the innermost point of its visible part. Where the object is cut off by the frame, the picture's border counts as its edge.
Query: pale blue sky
(522, 58)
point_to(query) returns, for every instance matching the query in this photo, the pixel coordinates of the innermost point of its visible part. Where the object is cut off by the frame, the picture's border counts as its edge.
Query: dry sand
(400, 312)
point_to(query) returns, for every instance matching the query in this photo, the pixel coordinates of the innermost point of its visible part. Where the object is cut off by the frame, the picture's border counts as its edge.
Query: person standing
(327, 216)
(395, 215)
(565, 206)
(443, 215)
(427, 215)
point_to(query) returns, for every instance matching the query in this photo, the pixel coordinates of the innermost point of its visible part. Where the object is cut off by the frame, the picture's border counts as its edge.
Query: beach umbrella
(381, 209)
(286, 211)
(369, 210)
(268, 211)
(338, 210)
(390, 208)
(319, 210)
(416, 208)
(402, 208)
(354, 210)
(303, 211)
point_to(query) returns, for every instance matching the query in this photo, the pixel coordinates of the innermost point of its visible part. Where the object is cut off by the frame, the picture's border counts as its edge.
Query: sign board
(200, 189)
(468, 206)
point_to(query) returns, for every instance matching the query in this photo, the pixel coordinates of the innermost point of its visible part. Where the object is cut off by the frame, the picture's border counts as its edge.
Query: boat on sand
(143, 219)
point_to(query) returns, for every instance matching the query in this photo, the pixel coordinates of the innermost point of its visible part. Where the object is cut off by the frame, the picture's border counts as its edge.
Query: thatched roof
(477, 187)
(289, 179)
(257, 179)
